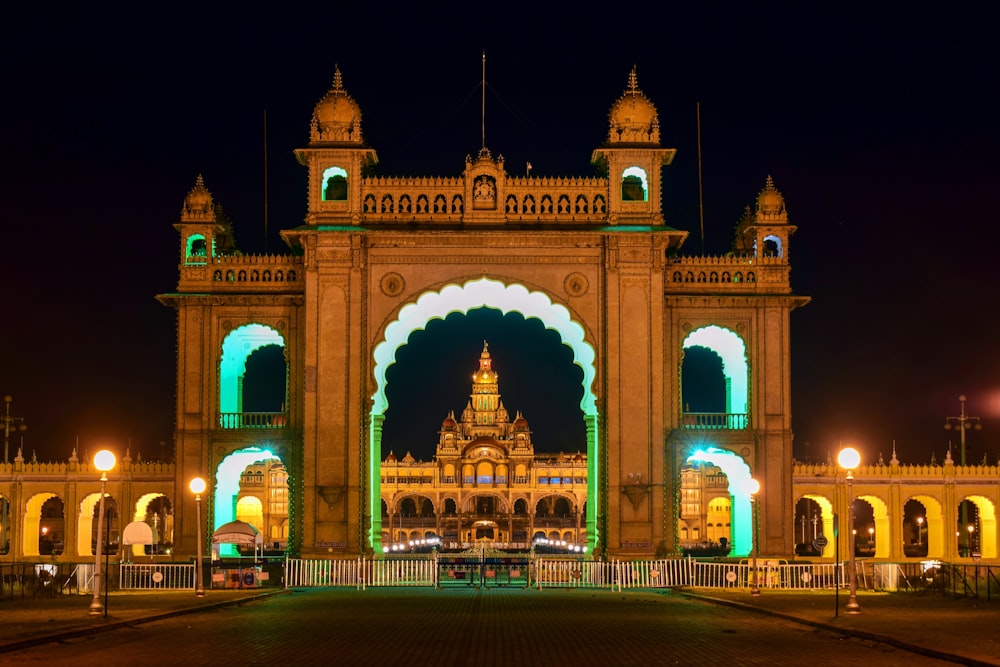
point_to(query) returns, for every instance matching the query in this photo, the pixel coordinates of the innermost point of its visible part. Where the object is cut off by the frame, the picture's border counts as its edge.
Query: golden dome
(633, 117)
(337, 117)
(198, 203)
(769, 201)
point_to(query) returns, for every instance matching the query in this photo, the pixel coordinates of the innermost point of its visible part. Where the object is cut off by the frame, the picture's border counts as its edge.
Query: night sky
(879, 128)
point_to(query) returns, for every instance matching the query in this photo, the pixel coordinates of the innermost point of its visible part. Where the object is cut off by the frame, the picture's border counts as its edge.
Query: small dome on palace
(449, 424)
(408, 458)
(633, 117)
(198, 200)
(391, 458)
(337, 117)
(770, 201)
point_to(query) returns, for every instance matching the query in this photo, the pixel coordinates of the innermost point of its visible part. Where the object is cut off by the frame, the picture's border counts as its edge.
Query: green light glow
(473, 294)
(334, 184)
(236, 348)
(738, 473)
(197, 248)
(629, 176)
(227, 488)
(730, 347)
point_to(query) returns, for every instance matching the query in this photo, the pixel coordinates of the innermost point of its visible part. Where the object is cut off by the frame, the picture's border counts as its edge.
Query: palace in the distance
(485, 483)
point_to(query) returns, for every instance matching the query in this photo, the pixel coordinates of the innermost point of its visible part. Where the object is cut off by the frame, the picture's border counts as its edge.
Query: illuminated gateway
(591, 258)
(485, 484)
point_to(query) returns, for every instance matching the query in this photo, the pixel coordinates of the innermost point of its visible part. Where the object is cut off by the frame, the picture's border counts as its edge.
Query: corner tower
(337, 156)
(632, 158)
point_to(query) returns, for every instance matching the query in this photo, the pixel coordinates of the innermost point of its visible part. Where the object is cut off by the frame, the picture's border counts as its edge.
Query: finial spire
(338, 80)
(633, 82)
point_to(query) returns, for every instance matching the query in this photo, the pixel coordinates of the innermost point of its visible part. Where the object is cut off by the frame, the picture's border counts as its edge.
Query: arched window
(635, 185)
(334, 184)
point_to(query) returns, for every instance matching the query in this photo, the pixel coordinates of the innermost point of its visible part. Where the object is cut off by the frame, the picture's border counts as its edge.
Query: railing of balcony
(254, 420)
(714, 421)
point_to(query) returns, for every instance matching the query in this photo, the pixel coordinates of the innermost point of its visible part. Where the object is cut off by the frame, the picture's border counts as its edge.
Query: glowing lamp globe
(849, 458)
(753, 486)
(197, 485)
(104, 460)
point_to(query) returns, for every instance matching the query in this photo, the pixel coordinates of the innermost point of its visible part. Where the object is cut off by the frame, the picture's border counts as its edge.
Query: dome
(408, 458)
(337, 117)
(391, 458)
(633, 117)
(198, 203)
(769, 201)
(520, 423)
(449, 423)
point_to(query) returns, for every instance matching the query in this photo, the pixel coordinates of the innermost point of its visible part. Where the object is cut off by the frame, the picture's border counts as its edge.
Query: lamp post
(104, 461)
(963, 422)
(8, 425)
(971, 528)
(197, 487)
(849, 458)
(920, 530)
(753, 487)
(871, 538)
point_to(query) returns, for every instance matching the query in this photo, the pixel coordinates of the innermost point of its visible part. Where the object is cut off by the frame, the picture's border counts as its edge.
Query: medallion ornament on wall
(576, 284)
(392, 284)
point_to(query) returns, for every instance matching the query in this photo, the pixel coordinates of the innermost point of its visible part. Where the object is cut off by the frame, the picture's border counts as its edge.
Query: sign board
(820, 542)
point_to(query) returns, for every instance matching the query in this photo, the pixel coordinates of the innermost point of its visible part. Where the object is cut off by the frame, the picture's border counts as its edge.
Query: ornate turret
(763, 231)
(336, 157)
(337, 117)
(633, 118)
(205, 230)
(632, 157)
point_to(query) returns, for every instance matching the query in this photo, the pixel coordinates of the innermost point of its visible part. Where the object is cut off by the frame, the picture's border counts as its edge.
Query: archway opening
(738, 473)
(922, 528)
(728, 347)
(461, 299)
(230, 478)
(155, 510)
(981, 528)
(236, 399)
(873, 537)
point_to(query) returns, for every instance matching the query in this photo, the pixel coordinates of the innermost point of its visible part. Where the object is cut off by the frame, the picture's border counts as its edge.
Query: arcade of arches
(591, 258)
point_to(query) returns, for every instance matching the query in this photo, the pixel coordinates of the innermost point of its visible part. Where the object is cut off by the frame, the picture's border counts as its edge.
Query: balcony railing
(714, 421)
(240, 420)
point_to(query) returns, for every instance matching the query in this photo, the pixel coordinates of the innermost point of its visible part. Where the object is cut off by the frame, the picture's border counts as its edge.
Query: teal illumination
(334, 184)
(236, 348)
(733, 351)
(197, 249)
(481, 293)
(227, 488)
(738, 473)
(635, 184)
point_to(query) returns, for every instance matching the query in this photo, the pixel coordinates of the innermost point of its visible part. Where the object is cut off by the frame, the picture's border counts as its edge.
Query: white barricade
(156, 576)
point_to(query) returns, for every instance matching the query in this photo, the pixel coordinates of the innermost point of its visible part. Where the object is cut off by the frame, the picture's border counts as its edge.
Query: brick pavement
(631, 623)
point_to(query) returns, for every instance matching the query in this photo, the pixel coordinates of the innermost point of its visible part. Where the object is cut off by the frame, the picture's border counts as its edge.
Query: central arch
(454, 298)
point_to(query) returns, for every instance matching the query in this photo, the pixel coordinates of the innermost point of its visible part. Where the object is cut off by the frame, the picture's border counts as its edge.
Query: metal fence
(156, 577)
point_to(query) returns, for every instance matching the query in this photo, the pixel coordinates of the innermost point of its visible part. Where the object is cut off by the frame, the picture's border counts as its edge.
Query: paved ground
(499, 627)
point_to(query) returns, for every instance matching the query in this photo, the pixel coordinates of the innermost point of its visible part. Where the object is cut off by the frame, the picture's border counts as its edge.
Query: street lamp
(920, 530)
(8, 426)
(963, 422)
(197, 487)
(104, 461)
(968, 544)
(871, 537)
(753, 487)
(849, 459)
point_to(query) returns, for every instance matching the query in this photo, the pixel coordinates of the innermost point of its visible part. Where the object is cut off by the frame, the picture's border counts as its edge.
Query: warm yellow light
(197, 485)
(104, 460)
(753, 486)
(849, 458)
